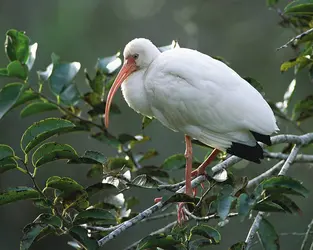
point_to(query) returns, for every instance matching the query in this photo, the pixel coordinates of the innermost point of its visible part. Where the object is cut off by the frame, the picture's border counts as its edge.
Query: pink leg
(201, 169)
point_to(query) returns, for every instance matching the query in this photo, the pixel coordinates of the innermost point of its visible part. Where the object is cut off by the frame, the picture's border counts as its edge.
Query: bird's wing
(187, 90)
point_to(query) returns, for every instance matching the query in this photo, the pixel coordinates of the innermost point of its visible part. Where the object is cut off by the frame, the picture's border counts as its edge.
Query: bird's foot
(181, 214)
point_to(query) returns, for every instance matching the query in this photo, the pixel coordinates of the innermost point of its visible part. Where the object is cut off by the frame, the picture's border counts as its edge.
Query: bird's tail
(250, 153)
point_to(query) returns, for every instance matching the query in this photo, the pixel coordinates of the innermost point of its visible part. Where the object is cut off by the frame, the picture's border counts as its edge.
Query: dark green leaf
(104, 188)
(145, 122)
(303, 109)
(300, 7)
(62, 75)
(81, 235)
(17, 46)
(49, 219)
(179, 197)
(95, 171)
(118, 163)
(52, 151)
(199, 243)
(286, 203)
(9, 94)
(37, 107)
(208, 232)
(90, 157)
(32, 56)
(26, 96)
(42, 130)
(30, 233)
(5, 151)
(100, 216)
(96, 84)
(63, 184)
(268, 236)
(284, 185)
(107, 138)
(16, 69)
(109, 65)
(174, 162)
(7, 164)
(157, 240)
(152, 171)
(17, 194)
(224, 201)
(238, 246)
(147, 155)
(268, 206)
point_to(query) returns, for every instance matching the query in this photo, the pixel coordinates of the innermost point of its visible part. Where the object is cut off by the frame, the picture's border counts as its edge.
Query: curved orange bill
(128, 68)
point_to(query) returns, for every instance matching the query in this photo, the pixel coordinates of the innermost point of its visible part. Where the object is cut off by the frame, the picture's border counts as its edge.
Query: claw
(181, 215)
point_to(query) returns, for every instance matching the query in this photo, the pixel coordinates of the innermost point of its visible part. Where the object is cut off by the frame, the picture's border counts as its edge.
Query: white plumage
(197, 95)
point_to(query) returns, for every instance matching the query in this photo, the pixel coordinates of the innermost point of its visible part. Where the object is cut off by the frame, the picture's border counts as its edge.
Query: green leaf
(208, 232)
(145, 122)
(52, 151)
(44, 75)
(37, 107)
(17, 194)
(49, 219)
(285, 203)
(268, 236)
(81, 235)
(96, 84)
(42, 130)
(107, 139)
(157, 240)
(147, 155)
(118, 163)
(224, 201)
(95, 171)
(271, 3)
(179, 197)
(199, 243)
(6, 151)
(62, 75)
(32, 56)
(300, 7)
(90, 157)
(9, 94)
(108, 65)
(26, 96)
(70, 95)
(284, 185)
(30, 233)
(4, 72)
(303, 109)
(238, 246)
(17, 46)
(64, 184)
(268, 206)
(152, 171)
(7, 164)
(145, 181)
(174, 162)
(243, 205)
(104, 188)
(16, 69)
(95, 215)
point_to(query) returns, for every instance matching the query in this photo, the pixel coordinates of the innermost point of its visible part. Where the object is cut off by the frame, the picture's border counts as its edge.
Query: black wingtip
(250, 153)
(262, 138)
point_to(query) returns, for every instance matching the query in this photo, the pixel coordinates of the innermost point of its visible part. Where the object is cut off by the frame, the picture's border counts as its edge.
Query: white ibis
(192, 93)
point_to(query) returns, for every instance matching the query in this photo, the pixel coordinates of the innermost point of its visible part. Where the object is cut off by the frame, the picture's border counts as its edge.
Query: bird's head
(138, 55)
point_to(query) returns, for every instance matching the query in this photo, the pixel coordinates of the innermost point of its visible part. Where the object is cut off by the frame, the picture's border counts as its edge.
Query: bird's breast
(135, 95)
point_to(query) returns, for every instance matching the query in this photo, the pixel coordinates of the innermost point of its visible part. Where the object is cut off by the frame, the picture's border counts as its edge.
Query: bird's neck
(134, 93)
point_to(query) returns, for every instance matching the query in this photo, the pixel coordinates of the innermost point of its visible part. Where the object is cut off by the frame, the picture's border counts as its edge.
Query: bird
(197, 95)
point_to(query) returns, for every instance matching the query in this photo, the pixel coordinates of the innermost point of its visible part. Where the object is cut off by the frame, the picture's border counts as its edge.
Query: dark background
(244, 32)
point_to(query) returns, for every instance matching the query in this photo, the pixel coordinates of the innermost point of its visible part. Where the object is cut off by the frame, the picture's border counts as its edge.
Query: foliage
(69, 208)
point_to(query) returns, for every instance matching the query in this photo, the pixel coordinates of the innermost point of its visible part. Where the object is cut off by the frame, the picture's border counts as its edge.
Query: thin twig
(306, 236)
(298, 37)
(281, 156)
(289, 160)
(206, 218)
(256, 180)
(253, 229)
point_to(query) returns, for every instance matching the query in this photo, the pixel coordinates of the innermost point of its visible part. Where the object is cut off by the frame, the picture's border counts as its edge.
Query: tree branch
(306, 236)
(298, 37)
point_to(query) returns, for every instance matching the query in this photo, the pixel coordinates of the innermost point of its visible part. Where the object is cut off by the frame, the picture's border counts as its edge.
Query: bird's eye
(135, 56)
